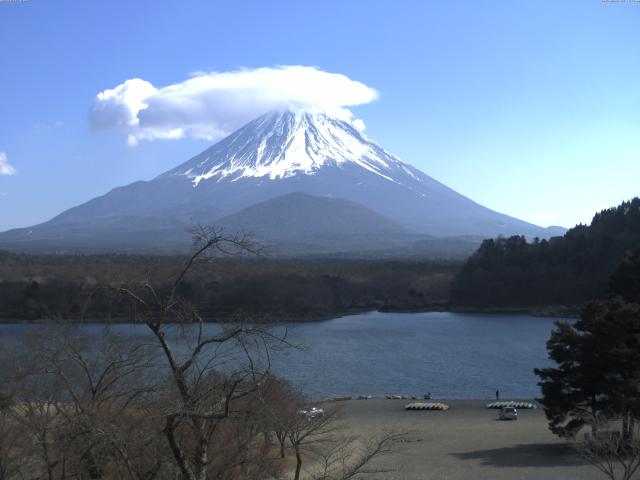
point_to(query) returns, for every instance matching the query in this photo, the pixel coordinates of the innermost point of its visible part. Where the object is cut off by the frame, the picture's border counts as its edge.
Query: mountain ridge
(274, 155)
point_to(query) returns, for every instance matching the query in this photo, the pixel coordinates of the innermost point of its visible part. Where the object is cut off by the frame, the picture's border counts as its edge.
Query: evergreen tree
(625, 281)
(598, 369)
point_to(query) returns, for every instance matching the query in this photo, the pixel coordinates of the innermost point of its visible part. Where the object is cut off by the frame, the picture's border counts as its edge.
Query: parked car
(508, 413)
(312, 412)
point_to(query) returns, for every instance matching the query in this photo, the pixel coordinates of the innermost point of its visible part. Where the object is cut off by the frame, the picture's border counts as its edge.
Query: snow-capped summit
(284, 144)
(305, 175)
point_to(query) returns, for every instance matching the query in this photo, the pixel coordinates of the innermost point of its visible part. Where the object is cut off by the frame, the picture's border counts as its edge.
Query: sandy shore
(467, 442)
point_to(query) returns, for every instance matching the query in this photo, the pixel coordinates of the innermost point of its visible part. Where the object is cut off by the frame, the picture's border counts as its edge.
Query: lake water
(450, 355)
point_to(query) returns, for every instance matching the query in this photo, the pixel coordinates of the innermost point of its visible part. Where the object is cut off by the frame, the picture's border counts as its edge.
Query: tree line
(562, 271)
(34, 287)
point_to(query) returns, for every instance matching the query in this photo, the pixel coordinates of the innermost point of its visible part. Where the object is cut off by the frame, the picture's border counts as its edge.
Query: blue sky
(530, 108)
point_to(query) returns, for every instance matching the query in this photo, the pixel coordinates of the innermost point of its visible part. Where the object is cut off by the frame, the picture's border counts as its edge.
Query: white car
(311, 412)
(508, 413)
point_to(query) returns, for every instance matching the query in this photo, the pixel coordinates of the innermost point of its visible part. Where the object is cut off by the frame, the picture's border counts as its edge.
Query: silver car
(312, 412)
(508, 413)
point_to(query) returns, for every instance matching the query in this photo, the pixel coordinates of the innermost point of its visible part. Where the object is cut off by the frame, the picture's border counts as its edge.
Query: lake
(451, 355)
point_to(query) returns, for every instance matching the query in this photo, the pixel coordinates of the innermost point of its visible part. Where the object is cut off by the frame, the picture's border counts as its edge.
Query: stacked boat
(426, 406)
(510, 403)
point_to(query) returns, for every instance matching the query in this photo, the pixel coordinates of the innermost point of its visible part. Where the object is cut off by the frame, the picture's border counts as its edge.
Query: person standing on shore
(497, 395)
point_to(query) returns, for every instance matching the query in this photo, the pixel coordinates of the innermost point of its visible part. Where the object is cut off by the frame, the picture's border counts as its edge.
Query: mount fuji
(293, 178)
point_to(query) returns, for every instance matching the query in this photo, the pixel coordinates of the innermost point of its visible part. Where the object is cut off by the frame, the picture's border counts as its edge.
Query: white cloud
(212, 105)
(5, 166)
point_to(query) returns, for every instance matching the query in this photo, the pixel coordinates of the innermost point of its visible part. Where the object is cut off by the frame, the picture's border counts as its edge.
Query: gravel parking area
(467, 442)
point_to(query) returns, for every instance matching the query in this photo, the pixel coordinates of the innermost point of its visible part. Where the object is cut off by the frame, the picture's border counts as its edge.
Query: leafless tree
(308, 433)
(204, 389)
(352, 457)
(106, 388)
(34, 412)
(12, 439)
(612, 449)
(333, 454)
(279, 407)
(82, 403)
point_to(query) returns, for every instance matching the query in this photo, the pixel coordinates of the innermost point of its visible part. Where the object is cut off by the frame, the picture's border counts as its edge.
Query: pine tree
(626, 279)
(598, 369)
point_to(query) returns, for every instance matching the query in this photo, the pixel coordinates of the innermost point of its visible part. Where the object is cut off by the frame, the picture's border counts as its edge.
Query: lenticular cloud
(212, 105)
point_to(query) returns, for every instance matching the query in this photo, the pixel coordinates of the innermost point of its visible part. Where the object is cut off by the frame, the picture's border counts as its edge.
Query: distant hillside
(300, 215)
(295, 225)
(303, 225)
(568, 270)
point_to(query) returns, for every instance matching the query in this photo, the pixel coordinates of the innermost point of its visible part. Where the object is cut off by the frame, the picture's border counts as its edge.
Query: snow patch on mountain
(284, 144)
